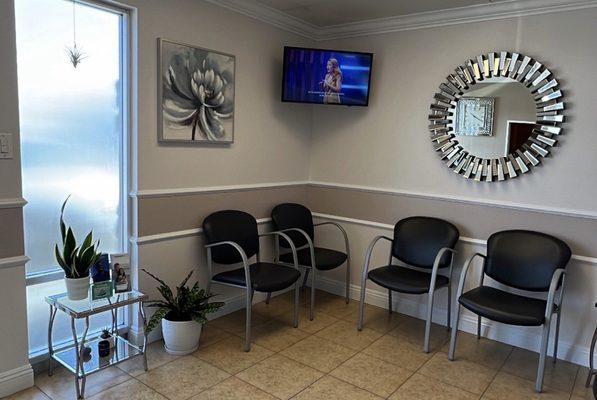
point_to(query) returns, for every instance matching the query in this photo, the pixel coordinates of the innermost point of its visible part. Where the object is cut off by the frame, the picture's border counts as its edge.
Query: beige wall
(387, 144)
(13, 328)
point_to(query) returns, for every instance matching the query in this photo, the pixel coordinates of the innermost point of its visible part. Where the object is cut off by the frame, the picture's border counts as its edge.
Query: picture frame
(121, 272)
(196, 94)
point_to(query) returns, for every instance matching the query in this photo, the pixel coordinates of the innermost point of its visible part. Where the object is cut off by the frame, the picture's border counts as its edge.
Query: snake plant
(189, 304)
(75, 260)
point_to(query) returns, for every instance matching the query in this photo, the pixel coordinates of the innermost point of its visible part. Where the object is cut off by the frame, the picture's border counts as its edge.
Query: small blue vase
(100, 272)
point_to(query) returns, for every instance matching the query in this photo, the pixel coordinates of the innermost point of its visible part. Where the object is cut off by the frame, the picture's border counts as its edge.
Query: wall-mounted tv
(326, 76)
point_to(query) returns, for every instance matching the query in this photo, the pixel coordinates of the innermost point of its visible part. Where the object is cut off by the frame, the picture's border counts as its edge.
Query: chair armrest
(558, 275)
(368, 254)
(436, 262)
(240, 250)
(309, 242)
(290, 242)
(337, 225)
(465, 268)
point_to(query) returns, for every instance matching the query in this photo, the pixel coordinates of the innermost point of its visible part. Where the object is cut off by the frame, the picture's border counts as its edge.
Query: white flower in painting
(198, 92)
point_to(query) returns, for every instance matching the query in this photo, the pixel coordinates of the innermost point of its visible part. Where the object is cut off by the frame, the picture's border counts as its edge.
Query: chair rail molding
(429, 19)
(16, 202)
(11, 262)
(148, 193)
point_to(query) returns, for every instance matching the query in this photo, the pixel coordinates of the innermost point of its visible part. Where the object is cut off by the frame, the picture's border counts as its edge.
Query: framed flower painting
(196, 94)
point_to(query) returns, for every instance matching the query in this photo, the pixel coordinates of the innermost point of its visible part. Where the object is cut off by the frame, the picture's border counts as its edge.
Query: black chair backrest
(292, 215)
(417, 240)
(525, 259)
(235, 226)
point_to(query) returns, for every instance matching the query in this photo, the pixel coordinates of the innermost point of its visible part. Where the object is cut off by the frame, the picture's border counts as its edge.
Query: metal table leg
(592, 371)
(77, 355)
(50, 344)
(80, 355)
(144, 320)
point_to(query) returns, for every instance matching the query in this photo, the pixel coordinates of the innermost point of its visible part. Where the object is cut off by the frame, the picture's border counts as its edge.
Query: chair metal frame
(249, 291)
(430, 293)
(313, 268)
(557, 282)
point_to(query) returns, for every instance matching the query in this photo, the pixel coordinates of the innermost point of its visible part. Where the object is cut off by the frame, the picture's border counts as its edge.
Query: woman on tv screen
(332, 84)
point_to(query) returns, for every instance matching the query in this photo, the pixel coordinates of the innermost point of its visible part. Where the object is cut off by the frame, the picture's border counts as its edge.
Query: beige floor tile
(276, 336)
(156, 357)
(335, 306)
(398, 351)
(482, 351)
(278, 305)
(420, 387)
(230, 356)
(210, 335)
(474, 378)
(319, 353)
(32, 393)
(346, 334)
(130, 390)
(523, 363)
(376, 318)
(320, 320)
(235, 322)
(413, 330)
(329, 388)
(510, 387)
(183, 378)
(580, 391)
(233, 389)
(61, 385)
(280, 376)
(375, 375)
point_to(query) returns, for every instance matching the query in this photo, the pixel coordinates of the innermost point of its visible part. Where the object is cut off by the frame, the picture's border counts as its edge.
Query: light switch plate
(6, 146)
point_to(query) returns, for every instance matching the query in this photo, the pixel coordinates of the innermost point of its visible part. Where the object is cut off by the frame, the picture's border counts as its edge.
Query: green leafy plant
(75, 260)
(189, 304)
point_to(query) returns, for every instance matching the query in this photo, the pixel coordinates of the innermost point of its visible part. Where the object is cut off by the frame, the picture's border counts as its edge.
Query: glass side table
(71, 356)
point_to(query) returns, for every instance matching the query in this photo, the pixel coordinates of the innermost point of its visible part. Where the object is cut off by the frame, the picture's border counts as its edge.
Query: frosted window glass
(71, 129)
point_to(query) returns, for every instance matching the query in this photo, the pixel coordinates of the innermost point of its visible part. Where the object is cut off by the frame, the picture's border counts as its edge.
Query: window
(73, 140)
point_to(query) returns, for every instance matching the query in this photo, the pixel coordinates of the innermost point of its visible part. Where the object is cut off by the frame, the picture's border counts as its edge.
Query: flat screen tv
(326, 76)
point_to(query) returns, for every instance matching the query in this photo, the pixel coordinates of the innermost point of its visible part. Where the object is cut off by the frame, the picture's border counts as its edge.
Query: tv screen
(326, 76)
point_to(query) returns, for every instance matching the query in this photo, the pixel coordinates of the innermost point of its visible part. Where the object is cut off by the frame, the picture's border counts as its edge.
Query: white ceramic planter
(182, 337)
(77, 289)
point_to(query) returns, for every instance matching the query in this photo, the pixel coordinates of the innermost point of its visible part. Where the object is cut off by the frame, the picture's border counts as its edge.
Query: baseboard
(512, 335)
(15, 380)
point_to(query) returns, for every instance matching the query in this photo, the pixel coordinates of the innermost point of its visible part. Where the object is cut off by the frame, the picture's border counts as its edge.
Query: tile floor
(325, 359)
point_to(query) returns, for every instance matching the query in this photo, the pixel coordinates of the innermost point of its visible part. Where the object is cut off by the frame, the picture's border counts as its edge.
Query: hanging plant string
(75, 54)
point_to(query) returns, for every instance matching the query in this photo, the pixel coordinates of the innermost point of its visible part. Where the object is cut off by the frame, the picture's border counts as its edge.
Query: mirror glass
(494, 117)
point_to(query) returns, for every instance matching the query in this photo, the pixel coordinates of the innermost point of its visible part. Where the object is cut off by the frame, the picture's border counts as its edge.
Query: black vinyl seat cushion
(504, 307)
(405, 280)
(325, 259)
(265, 277)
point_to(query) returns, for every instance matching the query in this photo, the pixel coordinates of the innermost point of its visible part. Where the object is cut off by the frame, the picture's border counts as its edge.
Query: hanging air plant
(75, 54)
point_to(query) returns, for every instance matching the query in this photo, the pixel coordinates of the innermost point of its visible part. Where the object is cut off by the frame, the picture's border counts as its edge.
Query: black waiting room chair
(296, 221)
(231, 237)
(423, 245)
(527, 261)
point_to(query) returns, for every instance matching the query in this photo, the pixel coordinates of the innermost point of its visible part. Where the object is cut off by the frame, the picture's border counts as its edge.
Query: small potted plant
(182, 316)
(75, 260)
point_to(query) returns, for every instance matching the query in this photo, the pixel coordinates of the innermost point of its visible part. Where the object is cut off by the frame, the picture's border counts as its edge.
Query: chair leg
(312, 305)
(454, 333)
(390, 301)
(557, 337)
(305, 277)
(362, 305)
(478, 327)
(297, 288)
(269, 296)
(428, 322)
(542, 356)
(347, 279)
(248, 320)
(449, 324)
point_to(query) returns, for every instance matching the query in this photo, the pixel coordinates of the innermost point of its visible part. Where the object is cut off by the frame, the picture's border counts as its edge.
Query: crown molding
(431, 19)
(270, 15)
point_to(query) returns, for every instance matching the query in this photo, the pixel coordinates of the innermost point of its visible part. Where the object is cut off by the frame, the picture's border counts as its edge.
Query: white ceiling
(323, 13)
